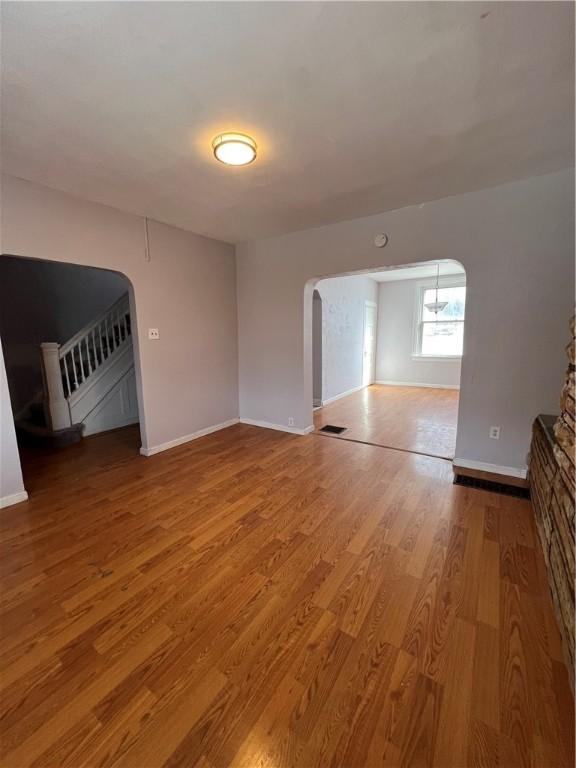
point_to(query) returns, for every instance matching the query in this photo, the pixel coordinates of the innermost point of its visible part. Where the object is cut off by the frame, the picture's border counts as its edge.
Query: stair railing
(68, 366)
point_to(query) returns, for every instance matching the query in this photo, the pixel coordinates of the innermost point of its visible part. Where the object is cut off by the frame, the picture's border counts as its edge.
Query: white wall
(516, 243)
(46, 301)
(187, 290)
(343, 300)
(395, 342)
(11, 483)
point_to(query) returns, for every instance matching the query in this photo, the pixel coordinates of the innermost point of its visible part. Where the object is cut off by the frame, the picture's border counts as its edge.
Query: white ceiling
(356, 107)
(416, 272)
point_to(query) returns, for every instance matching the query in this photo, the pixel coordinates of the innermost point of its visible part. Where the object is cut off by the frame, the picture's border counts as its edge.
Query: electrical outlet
(290, 421)
(153, 334)
(494, 433)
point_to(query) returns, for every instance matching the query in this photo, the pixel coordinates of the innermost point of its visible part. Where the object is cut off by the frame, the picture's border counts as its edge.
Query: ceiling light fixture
(234, 148)
(436, 306)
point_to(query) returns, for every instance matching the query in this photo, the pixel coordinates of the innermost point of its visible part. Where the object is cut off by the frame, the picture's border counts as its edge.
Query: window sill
(437, 358)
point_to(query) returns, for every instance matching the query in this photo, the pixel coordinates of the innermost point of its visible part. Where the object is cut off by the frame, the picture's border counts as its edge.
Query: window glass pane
(456, 298)
(442, 338)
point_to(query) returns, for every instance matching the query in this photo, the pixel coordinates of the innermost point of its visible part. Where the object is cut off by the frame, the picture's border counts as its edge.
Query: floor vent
(489, 485)
(330, 429)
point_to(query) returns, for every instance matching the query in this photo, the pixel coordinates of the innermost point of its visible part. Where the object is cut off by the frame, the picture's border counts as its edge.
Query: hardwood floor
(260, 599)
(417, 419)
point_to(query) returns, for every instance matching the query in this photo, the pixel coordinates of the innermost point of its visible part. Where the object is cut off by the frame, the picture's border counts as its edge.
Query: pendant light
(436, 306)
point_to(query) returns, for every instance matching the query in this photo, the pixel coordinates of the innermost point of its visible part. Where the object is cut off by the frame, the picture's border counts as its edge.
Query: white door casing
(369, 343)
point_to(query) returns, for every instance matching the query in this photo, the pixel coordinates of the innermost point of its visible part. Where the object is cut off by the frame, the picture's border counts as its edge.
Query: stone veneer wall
(552, 473)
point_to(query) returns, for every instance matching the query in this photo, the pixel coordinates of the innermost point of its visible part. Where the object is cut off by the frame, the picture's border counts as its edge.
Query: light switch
(153, 333)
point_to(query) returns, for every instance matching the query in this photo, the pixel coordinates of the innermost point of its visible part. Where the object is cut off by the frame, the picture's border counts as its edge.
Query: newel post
(58, 411)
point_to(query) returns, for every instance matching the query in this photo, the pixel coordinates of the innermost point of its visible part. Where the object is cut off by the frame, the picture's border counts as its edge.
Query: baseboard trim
(13, 498)
(278, 427)
(343, 394)
(496, 472)
(416, 384)
(186, 438)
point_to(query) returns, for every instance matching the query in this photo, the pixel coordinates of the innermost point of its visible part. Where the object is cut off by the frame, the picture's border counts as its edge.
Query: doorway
(68, 336)
(409, 325)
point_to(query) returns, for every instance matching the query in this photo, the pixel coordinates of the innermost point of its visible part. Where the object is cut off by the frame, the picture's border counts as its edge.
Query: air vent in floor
(330, 429)
(489, 485)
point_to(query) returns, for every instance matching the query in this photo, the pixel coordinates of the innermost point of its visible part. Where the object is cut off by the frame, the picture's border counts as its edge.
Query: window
(441, 334)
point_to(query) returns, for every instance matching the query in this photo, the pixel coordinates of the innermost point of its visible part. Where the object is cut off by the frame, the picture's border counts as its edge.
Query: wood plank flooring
(262, 600)
(419, 419)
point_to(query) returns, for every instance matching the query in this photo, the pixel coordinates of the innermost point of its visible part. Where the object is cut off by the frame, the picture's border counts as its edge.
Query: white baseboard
(186, 438)
(278, 427)
(496, 469)
(417, 384)
(14, 498)
(343, 394)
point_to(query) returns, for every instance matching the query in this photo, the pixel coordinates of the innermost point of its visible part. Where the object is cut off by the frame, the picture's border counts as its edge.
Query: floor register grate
(490, 485)
(331, 429)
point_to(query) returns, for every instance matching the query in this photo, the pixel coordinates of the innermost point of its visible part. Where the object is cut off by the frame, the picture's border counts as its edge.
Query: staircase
(89, 382)
(85, 353)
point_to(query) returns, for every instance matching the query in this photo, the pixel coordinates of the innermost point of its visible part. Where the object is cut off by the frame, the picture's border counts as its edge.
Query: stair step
(30, 432)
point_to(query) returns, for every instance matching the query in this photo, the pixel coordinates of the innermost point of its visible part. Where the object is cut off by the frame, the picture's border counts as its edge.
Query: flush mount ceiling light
(436, 306)
(234, 148)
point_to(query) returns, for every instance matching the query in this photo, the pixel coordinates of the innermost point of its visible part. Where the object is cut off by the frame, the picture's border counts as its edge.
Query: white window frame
(456, 281)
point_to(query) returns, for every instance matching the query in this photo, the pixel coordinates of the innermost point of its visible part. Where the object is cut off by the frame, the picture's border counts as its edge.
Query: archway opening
(390, 352)
(72, 366)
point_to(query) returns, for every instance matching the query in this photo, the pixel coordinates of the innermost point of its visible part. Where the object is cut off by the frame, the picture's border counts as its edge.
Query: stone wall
(552, 488)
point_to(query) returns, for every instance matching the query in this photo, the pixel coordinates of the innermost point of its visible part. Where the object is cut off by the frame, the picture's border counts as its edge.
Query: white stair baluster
(74, 368)
(82, 368)
(88, 354)
(99, 334)
(96, 363)
(68, 388)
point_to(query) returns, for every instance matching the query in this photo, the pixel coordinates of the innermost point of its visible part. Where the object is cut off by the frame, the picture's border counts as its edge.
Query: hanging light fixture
(436, 306)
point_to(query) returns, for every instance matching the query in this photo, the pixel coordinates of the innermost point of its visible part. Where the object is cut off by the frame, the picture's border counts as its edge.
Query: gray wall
(516, 243)
(187, 290)
(395, 341)
(343, 301)
(45, 301)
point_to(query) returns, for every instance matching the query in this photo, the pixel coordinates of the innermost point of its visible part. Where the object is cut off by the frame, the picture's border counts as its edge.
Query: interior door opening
(69, 345)
(387, 348)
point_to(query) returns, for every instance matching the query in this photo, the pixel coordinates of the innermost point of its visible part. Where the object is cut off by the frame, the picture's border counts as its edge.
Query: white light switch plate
(153, 333)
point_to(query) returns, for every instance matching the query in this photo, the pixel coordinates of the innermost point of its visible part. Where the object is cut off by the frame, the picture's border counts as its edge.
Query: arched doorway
(70, 350)
(391, 347)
